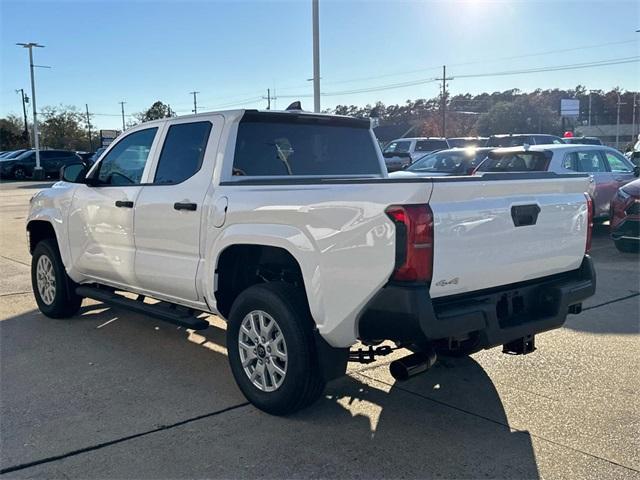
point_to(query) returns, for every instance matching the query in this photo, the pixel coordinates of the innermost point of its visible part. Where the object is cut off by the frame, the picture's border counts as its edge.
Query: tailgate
(477, 243)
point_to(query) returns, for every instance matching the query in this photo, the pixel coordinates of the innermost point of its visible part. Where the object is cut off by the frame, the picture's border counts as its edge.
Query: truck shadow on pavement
(74, 392)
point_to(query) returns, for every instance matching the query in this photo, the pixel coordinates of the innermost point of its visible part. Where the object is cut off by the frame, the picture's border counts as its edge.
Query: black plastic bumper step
(166, 312)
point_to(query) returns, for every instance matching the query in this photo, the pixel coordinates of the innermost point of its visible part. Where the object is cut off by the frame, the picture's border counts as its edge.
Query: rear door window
(589, 161)
(183, 152)
(515, 162)
(282, 144)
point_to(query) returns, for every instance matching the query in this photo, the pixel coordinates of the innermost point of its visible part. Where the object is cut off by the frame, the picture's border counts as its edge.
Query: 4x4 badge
(444, 283)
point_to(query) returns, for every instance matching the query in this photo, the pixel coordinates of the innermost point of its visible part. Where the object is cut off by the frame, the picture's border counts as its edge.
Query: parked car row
(19, 164)
(610, 173)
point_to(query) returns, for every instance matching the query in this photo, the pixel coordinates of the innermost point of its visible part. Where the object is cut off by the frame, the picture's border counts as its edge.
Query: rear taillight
(414, 242)
(587, 247)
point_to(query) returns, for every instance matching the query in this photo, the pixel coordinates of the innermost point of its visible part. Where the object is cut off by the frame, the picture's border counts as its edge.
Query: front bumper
(627, 229)
(497, 316)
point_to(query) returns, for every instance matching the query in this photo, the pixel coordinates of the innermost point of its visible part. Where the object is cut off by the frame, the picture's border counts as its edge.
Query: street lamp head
(30, 45)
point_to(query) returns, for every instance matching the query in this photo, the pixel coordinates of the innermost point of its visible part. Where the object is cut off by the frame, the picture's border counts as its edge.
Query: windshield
(456, 161)
(15, 154)
(515, 162)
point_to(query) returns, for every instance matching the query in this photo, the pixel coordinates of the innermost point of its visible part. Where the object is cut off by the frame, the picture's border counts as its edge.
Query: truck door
(170, 208)
(101, 215)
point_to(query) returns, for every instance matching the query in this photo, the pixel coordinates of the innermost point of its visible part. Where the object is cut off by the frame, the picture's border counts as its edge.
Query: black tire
(19, 173)
(627, 246)
(65, 302)
(303, 383)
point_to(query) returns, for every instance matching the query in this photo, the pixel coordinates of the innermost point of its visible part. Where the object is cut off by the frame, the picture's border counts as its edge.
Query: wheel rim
(263, 350)
(19, 173)
(46, 279)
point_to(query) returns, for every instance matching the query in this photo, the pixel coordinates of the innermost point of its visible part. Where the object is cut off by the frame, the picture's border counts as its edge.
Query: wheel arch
(281, 244)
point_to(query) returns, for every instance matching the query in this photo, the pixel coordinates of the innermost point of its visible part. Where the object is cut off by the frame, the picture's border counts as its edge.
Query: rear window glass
(515, 141)
(447, 162)
(515, 162)
(431, 145)
(277, 145)
(398, 147)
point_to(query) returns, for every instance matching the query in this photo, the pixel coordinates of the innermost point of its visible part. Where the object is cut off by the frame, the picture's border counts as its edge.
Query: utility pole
(38, 172)
(316, 55)
(633, 118)
(269, 97)
(24, 111)
(618, 122)
(443, 101)
(89, 128)
(195, 102)
(122, 109)
(589, 107)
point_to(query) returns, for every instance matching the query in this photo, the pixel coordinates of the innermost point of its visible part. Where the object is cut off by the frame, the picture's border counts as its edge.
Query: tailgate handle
(524, 215)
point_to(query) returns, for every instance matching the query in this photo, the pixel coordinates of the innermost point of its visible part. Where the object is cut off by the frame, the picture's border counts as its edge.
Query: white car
(607, 168)
(286, 225)
(416, 147)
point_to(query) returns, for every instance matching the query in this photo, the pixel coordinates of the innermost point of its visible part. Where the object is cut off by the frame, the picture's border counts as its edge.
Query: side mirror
(73, 173)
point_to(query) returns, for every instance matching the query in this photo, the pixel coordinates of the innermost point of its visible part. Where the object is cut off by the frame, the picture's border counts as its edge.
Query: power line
(476, 62)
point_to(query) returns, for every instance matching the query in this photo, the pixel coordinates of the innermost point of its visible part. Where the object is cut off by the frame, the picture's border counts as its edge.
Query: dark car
(22, 166)
(466, 142)
(582, 140)
(456, 161)
(625, 217)
(520, 139)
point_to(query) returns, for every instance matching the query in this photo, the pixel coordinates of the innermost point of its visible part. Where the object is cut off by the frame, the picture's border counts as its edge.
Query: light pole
(38, 172)
(316, 56)
(618, 122)
(195, 101)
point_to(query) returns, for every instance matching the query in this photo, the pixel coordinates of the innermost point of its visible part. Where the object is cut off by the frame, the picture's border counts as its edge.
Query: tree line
(65, 127)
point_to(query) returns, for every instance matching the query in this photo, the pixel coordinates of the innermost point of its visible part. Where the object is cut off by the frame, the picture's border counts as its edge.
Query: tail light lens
(414, 242)
(587, 247)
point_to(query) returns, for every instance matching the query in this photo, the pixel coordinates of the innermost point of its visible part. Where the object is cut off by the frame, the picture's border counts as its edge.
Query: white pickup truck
(286, 225)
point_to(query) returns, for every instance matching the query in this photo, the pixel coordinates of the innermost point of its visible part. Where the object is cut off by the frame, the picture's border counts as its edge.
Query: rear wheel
(272, 350)
(627, 246)
(52, 287)
(19, 173)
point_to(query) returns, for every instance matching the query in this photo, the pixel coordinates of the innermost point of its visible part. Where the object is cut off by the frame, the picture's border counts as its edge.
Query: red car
(625, 217)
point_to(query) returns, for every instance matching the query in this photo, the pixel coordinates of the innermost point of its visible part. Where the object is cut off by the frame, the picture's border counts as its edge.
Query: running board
(167, 312)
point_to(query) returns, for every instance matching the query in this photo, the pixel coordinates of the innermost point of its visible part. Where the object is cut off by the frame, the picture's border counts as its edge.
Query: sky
(102, 52)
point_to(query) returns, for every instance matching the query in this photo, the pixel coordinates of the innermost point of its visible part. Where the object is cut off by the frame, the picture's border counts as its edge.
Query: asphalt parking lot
(114, 394)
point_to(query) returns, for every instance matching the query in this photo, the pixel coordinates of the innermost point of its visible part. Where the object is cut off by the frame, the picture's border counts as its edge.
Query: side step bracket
(164, 311)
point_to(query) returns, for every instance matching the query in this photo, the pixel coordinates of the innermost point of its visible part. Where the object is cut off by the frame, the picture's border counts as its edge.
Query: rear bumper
(497, 316)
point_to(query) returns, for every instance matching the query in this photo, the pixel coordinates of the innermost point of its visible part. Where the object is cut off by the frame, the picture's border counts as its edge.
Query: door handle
(124, 203)
(185, 206)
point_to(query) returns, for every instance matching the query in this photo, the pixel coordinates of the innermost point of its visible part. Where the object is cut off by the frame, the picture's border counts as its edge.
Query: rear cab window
(282, 144)
(515, 162)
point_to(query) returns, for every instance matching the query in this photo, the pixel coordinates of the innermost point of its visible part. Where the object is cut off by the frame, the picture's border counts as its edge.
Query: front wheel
(19, 173)
(53, 289)
(272, 350)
